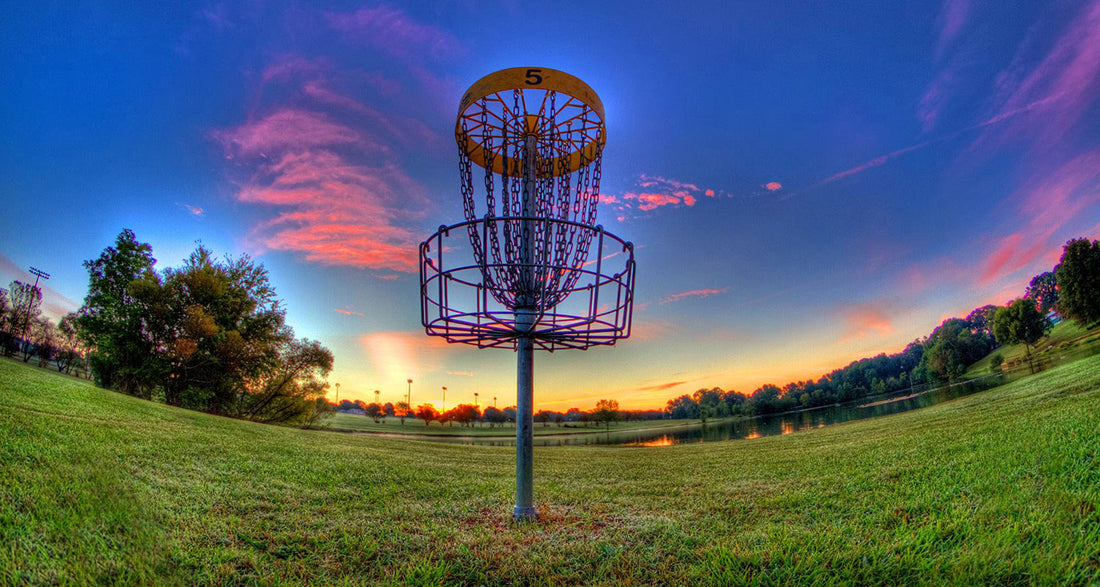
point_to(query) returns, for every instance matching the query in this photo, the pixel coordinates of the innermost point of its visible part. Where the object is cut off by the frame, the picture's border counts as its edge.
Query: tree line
(605, 412)
(1071, 289)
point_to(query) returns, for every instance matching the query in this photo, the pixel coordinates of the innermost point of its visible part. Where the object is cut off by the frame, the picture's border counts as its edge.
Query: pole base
(528, 514)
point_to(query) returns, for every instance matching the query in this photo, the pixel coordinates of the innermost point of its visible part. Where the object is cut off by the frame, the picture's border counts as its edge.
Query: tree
(951, 348)
(401, 410)
(427, 413)
(607, 411)
(26, 307)
(111, 321)
(373, 411)
(494, 416)
(1043, 289)
(70, 352)
(463, 414)
(981, 319)
(1021, 322)
(542, 416)
(1078, 278)
(288, 389)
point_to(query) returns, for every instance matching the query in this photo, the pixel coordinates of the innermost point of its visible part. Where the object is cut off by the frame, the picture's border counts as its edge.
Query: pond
(749, 428)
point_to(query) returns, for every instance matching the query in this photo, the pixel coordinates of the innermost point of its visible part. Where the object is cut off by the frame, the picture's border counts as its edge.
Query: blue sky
(805, 183)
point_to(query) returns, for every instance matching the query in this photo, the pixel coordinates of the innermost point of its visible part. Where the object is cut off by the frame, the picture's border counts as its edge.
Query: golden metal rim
(581, 97)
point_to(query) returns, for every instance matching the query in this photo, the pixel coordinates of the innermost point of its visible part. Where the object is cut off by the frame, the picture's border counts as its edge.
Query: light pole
(444, 398)
(494, 402)
(475, 400)
(409, 397)
(377, 394)
(337, 395)
(36, 272)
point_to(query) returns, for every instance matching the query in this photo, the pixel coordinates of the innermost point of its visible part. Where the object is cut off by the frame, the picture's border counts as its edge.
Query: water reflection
(749, 428)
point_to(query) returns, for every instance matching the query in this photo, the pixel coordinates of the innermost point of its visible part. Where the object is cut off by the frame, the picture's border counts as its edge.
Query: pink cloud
(1012, 254)
(865, 319)
(952, 20)
(286, 128)
(347, 311)
(695, 293)
(773, 186)
(649, 202)
(195, 210)
(662, 386)
(709, 193)
(394, 32)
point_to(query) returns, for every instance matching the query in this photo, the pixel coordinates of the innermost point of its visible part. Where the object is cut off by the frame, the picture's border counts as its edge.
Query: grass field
(998, 487)
(1068, 341)
(356, 423)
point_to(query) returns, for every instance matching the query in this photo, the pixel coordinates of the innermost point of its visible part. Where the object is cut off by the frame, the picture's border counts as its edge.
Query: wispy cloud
(662, 386)
(656, 192)
(773, 186)
(194, 210)
(695, 293)
(347, 311)
(953, 18)
(865, 319)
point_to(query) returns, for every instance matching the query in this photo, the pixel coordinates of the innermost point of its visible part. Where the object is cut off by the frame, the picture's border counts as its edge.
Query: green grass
(1068, 341)
(1000, 487)
(356, 423)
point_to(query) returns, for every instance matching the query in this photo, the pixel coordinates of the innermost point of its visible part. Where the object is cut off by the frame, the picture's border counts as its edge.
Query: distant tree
(765, 400)
(951, 348)
(607, 411)
(388, 410)
(427, 412)
(542, 416)
(710, 403)
(682, 408)
(464, 414)
(1021, 322)
(70, 353)
(42, 339)
(981, 319)
(494, 416)
(402, 411)
(111, 322)
(1078, 278)
(509, 413)
(26, 307)
(1044, 290)
(345, 406)
(373, 411)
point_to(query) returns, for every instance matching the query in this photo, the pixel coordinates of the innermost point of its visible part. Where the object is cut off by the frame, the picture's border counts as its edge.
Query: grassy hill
(1068, 341)
(997, 487)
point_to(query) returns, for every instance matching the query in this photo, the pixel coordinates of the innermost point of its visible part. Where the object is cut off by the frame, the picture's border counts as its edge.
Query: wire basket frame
(459, 304)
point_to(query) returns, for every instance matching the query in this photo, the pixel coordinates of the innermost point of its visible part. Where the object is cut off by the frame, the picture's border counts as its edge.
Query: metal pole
(525, 353)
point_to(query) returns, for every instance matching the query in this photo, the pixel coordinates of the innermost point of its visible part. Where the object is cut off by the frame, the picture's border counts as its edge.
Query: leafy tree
(464, 414)
(541, 416)
(373, 411)
(607, 411)
(111, 321)
(427, 413)
(1021, 322)
(26, 307)
(981, 319)
(494, 416)
(401, 410)
(70, 352)
(951, 348)
(682, 408)
(1043, 289)
(287, 390)
(1078, 278)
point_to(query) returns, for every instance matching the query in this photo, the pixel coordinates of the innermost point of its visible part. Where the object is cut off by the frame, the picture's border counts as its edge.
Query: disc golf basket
(529, 267)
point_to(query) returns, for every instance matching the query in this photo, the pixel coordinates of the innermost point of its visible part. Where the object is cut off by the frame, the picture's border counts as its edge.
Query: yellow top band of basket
(535, 78)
